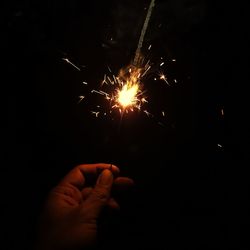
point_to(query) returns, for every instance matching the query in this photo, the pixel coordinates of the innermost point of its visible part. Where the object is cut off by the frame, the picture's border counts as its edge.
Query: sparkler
(125, 91)
(128, 93)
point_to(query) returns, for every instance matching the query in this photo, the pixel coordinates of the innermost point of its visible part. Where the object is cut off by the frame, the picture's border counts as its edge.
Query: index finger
(76, 176)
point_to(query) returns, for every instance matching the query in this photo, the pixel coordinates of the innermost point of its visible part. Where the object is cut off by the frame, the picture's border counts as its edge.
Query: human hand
(69, 221)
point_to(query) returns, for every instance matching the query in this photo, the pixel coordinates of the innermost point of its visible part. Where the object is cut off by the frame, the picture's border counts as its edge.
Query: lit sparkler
(127, 94)
(125, 91)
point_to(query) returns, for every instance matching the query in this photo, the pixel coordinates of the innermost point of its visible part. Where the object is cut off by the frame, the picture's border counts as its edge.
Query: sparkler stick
(143, 32)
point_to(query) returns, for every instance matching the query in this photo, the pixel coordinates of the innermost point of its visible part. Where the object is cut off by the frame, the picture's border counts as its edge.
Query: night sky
(190, 192)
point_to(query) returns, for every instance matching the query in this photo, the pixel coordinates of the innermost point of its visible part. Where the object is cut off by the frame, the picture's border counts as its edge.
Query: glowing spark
(109, 69)
(85, 83)
(105, 80)
(110, 80)
(164, 78)
(173, 60)
(175, 80)
(162, 64)
(222, 112)
(69, 62)
(99, 92)
(81, 98)
(104, 93)
(163, 113)
(95, 113)
(219, 145)
(149, 48)
(147, 113)
(146, 71)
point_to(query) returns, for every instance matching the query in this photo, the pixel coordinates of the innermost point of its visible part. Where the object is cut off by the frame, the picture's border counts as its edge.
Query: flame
(127, 96)
(128, 93)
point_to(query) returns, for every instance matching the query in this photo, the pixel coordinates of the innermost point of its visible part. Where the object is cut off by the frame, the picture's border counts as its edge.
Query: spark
(81, 98)
(69, 62)
(163, 113)
(219, 145)
(164, 78)
(146, 71)
(85, 83)
(105, 80)
(222, 112)
(175, 80)
(98, 92)
(173, 60)
(109, 69)
(95, 113)
(162, 64)
(150, 46)
(110, 80)
(147, 113)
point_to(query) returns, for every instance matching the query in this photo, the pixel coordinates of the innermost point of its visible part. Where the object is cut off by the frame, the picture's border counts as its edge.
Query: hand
(69, 221)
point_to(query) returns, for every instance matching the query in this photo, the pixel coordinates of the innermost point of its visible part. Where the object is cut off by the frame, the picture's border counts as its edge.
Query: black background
(189, 192)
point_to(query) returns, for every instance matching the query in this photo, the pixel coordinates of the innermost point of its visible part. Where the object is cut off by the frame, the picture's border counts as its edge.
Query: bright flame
(125, 90)
(127, 96)
(128, 93)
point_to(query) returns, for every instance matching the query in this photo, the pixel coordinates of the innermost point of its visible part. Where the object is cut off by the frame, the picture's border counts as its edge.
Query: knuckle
(101, 194)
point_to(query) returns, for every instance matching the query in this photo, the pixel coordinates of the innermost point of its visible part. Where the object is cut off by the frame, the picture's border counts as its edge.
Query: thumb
(101, 193)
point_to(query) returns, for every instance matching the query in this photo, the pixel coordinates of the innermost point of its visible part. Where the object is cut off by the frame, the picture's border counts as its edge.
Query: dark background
(189, 192)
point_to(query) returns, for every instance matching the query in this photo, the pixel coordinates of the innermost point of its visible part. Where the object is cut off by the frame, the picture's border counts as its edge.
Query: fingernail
(111, 167)
(105, 178)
